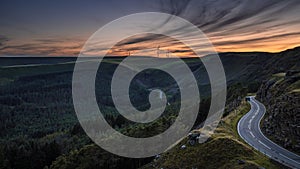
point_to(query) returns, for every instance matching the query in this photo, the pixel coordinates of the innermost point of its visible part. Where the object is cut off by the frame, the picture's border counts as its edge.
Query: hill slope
(223, 150)
(281, 94)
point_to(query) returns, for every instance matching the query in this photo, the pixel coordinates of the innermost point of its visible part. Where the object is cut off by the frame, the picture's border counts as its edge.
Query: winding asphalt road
(249, 130)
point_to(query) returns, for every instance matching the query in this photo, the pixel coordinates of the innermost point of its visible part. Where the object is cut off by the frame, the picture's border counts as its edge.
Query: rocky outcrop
(281, 96)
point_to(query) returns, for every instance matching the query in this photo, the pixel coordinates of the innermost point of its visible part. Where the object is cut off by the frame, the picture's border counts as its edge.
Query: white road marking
(264, 144)
(252, 134)
(289, 158)
(256, 109)
(283, 155)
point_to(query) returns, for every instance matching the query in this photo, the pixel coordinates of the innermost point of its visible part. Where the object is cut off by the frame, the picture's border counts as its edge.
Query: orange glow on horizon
(168, 47)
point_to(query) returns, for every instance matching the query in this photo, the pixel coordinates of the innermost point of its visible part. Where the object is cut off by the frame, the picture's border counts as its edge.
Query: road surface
(249, 130)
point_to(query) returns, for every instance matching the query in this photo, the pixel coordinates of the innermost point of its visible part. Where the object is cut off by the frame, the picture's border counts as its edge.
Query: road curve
(249, 130)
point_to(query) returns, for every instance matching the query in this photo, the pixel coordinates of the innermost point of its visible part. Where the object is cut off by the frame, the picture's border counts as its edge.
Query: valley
(39, 128)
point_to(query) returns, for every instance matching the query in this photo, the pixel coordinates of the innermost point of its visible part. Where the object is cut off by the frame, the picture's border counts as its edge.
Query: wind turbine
(129, 53)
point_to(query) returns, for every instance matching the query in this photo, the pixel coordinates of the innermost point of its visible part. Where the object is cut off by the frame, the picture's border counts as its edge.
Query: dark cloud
(236, 18)
(174, 7)
(231, 22)
(49, 40)
(181, 51)
(246, 10)
(215, 15)
(19, 47)
(35, 48)
(256, 40)
(141, 38)
(58, 40)
(3, 39)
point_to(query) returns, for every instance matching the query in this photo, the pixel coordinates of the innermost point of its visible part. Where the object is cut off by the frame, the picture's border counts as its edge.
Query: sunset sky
(61, 27)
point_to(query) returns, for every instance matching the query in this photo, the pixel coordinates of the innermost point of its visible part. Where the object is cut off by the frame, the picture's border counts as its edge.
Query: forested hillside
(39, 127)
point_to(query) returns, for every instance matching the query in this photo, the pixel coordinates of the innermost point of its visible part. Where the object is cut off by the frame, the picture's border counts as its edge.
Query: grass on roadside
(223, 150)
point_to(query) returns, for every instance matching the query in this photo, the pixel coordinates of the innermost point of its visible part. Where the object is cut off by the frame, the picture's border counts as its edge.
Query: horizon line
(119, 56)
